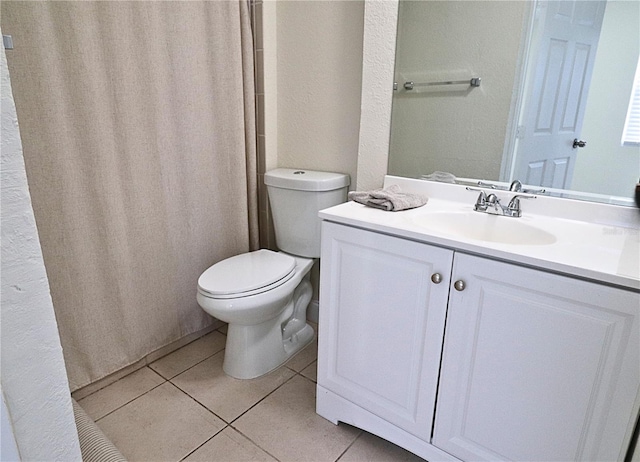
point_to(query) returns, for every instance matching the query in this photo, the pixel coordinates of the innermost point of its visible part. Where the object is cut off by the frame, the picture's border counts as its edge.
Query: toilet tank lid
(305, 180)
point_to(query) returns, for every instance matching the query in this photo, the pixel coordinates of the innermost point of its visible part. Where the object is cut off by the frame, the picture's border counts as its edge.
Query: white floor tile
(370, 448)
(225, 396)
(162, 425)
(286, 426)
(189, 355)
(231, 446)
(128, 388)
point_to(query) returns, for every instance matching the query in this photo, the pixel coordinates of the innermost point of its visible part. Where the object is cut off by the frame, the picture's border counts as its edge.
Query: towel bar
(409, 85)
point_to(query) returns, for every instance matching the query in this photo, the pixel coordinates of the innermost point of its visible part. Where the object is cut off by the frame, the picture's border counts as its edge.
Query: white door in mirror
(559, 78)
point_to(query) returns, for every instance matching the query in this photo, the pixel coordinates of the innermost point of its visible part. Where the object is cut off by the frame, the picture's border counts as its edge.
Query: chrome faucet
(491, 204)
(516, 186)
(494, 207)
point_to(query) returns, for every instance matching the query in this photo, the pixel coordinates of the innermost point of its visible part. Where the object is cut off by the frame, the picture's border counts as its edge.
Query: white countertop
(607, 252)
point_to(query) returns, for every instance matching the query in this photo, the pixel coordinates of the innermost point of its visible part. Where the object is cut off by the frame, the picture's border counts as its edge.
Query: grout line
(158, 374)
(111, 383)
(262, 399)
(194, 399)
(132, 400)
(349, 447)
(205, 442)
(190, 367)
(253, 442)
(146, 358)
(315, 382)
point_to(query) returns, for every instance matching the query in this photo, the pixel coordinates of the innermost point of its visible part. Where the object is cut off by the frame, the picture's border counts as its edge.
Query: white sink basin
(484, 227)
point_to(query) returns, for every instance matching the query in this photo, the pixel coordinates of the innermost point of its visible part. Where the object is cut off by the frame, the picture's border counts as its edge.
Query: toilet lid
(246, 272)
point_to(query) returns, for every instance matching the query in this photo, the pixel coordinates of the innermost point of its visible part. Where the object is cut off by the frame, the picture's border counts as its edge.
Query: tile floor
(183, 407)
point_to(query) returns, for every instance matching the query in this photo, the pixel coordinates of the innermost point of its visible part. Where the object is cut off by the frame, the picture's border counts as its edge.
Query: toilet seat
(246, 274)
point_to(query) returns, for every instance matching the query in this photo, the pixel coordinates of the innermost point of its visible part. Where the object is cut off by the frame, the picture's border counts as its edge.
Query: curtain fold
(138, 127)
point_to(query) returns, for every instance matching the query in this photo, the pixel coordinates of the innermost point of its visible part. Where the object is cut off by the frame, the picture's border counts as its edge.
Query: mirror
(534, 84)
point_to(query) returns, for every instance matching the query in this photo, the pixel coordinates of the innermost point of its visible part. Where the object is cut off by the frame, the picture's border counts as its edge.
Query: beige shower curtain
(138, 129)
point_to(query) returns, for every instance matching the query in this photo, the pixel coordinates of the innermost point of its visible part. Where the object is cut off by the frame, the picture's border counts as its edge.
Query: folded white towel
(390, 199)
(442, 177)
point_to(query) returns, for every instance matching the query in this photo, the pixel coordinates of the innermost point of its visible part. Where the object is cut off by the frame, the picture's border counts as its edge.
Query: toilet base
(299, 340)
(255, 350)
(242, 362)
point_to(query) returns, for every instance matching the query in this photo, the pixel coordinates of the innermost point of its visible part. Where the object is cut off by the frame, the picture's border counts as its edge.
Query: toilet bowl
(265, 307)
(263, 295)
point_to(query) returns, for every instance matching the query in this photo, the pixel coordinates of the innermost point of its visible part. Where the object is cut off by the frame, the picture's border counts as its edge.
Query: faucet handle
(487, 185)
(513, 208)
(516, 186)
(534, 191)
(481, 201)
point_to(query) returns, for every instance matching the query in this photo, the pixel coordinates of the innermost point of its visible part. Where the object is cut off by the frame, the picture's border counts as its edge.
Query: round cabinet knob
(436, 278)
(459, 285)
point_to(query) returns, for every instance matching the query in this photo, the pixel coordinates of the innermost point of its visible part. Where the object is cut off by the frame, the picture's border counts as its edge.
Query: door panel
(536, 366)
(547, 101)
(575, 91)
(382, 323)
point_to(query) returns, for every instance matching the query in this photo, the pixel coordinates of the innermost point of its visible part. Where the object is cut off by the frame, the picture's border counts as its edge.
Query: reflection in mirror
(538, 62)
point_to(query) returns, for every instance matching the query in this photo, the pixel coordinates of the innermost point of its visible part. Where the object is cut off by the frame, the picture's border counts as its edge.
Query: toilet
(264, 295)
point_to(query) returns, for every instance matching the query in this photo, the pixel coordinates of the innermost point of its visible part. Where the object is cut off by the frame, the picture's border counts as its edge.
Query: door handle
(579, 143)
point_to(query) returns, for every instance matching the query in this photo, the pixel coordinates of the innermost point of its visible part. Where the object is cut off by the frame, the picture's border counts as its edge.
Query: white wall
(34, 380)
(319, 73)
(313, 66)
(380, 19)
(604, 166)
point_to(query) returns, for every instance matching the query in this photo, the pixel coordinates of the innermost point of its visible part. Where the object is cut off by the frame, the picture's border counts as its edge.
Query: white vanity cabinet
(531, 365)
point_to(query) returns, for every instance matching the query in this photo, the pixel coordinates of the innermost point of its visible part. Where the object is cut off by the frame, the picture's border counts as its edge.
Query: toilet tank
(296, 196)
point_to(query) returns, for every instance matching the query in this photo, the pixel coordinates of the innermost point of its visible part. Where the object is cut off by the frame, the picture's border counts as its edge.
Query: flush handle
(436, 278)
(459, 285)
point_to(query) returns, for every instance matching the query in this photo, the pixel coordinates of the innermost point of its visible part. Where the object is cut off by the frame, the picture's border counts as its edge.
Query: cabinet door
(536, 367)
(381, 323)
